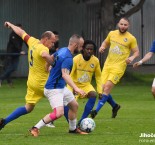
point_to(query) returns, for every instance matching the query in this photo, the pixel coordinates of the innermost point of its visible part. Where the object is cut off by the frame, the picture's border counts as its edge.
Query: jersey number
(31, 58)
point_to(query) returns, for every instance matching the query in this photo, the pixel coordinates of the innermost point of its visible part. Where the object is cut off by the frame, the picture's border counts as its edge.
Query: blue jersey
(152, 49)
(62, 59)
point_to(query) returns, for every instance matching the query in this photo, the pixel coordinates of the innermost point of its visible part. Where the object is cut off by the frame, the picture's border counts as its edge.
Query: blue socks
(14, 115)
(101, 102)
(111, 101)
(88, 107)
(66, 109)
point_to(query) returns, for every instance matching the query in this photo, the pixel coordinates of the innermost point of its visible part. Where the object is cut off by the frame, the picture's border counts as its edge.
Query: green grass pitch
(136, 116)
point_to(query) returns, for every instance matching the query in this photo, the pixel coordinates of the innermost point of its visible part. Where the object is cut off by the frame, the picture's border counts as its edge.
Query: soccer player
(56, 91)
(85, 65)
(120, 43)
(146, 58)
(38, 55)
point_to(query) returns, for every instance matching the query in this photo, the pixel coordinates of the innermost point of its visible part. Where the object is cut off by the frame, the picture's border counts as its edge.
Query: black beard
(86, 58)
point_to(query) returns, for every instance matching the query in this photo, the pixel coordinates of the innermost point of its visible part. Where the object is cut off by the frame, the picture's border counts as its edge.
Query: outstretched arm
(145, 58)
(69, 81)
(16, 29)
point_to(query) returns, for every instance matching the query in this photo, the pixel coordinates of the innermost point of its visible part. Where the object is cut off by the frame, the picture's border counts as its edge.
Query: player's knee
(73, 106)
(106, 90)
(59, 114)
(92, 94)
(56, 114)
(29, 107)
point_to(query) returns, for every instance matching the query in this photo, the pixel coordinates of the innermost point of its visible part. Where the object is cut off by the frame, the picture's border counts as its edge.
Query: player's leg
(72, 114)
(16, 114)
(31, 100)
(110, 78)
(89, 105)
(107, 87)
(114, 105)
(19, 112)
(69, 100)
(55, 97)
(72, 117)
(66, 110)
(57, 113)
(111, 101)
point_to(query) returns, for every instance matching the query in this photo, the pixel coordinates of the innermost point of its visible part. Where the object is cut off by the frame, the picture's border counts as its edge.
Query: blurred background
(92, 19)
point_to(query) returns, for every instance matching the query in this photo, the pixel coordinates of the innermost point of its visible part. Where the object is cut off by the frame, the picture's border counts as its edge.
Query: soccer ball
(87, 125)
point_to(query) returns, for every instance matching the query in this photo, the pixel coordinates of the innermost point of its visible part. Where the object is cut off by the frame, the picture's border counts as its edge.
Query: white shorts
(59, 97)
(153, 84)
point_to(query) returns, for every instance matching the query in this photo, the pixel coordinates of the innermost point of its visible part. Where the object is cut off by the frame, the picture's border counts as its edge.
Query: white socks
(40, 124)
(72, 124)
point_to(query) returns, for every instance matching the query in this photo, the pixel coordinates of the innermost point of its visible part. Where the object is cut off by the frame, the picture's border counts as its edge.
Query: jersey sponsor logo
(125, 39)
(84, 78)
(116, 50)
(92, 65)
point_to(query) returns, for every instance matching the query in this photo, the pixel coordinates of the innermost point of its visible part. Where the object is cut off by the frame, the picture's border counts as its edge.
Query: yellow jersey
(37, 73)
(120, 48)
(83, 71)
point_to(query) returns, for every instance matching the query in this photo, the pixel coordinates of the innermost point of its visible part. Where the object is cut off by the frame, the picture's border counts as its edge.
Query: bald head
(74, 39)
(76, 43)
(48, 39)
(47, 34)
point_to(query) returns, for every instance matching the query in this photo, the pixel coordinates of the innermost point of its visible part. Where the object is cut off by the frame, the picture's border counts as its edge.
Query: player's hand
(136, 64)
(101, 49)
(7, 24)
(129, 60)
(80, 92)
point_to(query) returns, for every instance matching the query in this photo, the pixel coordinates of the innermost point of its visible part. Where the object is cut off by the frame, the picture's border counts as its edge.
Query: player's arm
(69, 81)
(145, 58)
(135, 54)
(48, 58)
(103, 46)
(98, 79)
(16, 29)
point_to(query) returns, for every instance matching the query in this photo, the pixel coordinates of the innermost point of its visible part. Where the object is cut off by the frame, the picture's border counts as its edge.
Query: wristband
(140, 62)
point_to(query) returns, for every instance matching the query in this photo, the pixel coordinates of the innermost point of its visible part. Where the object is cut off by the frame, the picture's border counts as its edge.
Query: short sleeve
(108, 38)
(152, 49)
(133, 43)
(67, 63)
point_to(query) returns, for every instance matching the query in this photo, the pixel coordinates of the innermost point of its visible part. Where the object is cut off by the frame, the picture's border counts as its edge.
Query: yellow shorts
(86, 88)
(110, 74)
(34, 94)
